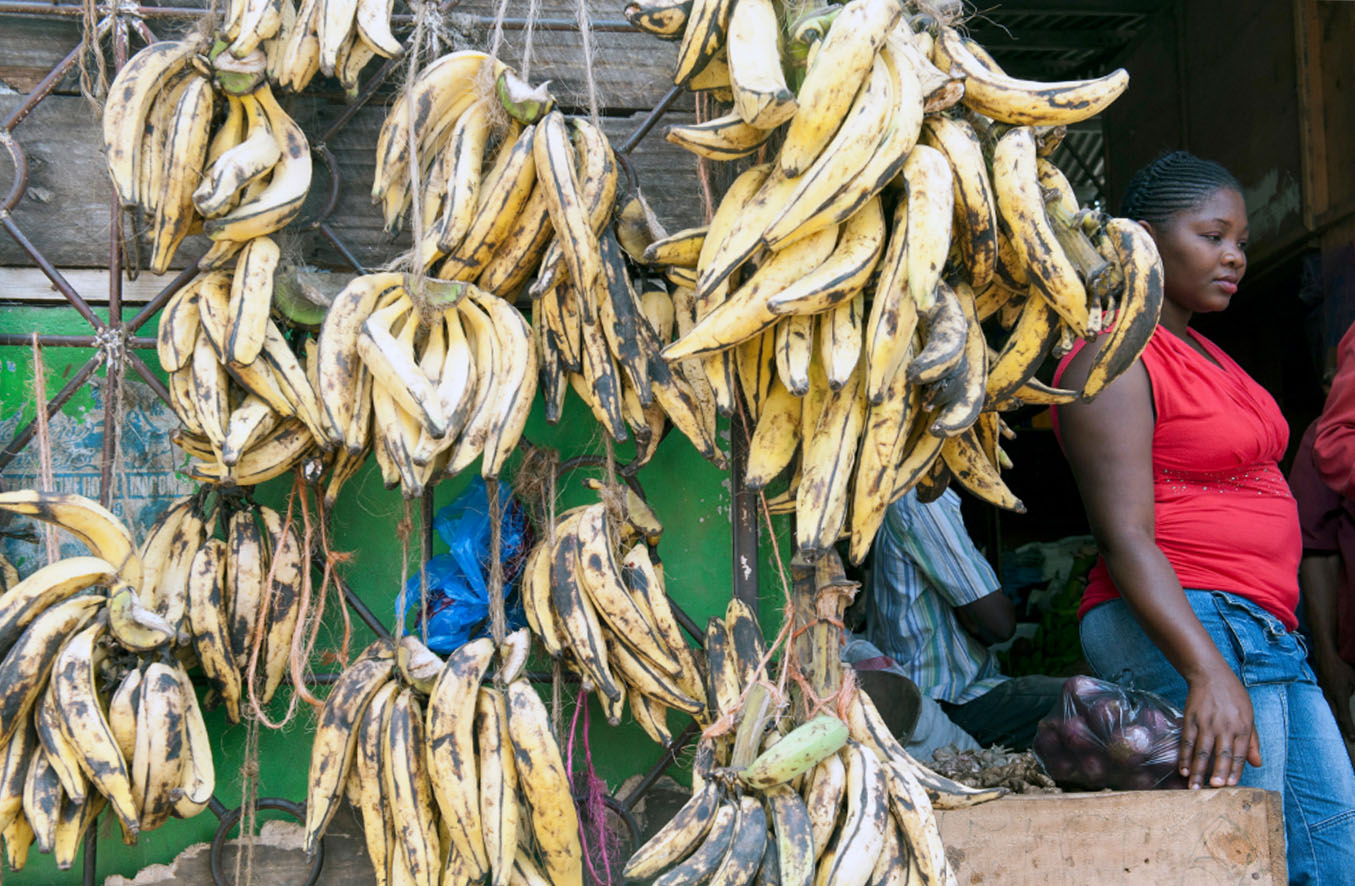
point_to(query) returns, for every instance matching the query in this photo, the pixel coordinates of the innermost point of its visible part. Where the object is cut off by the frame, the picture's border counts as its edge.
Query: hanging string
(426, 549)
(533, 10)
(586, 37)
(424, 42)
(557, 698)
(327, 582)
(496, 37)
(303, 639)
(787, 600)
(789, 664)
(415, 163)
(96, 87)
(594, 791)
(301, 655)
(44, 445)
(112, 342)
(498, 621)
(557, 673)
(256, 642)
(403, 530)
(613, 496)
(249, 798)
(703, 165)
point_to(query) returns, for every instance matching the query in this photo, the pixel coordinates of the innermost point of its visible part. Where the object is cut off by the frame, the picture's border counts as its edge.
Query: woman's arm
(1109, 444)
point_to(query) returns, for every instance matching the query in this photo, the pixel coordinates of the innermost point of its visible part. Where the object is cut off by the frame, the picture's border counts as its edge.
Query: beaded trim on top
(1260, 479)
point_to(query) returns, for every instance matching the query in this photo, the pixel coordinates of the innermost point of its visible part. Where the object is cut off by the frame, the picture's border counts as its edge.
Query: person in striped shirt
(935, 607)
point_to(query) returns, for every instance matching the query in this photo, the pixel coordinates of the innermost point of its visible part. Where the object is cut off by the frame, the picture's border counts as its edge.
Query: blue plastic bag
(458, 581)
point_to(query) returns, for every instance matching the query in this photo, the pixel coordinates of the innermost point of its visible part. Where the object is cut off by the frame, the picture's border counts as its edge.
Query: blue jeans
(1301, 748)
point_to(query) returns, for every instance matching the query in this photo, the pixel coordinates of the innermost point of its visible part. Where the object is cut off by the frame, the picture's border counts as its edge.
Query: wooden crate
(1192, 838)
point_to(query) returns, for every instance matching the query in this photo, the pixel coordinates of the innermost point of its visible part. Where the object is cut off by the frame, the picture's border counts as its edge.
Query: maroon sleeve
(1320, 508)
(1334, 446)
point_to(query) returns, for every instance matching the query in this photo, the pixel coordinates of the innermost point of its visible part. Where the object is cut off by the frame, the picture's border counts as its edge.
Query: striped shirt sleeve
(938, 543)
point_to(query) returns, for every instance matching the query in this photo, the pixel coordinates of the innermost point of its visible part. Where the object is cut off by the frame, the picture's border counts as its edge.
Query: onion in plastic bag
(1103, 735)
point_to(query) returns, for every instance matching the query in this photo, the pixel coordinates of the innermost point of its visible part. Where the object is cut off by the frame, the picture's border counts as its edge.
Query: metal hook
(229, 818)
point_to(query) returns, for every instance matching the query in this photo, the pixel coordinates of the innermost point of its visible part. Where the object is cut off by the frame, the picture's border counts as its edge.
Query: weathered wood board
(65, 210)
(630, 69)
(1190, 838)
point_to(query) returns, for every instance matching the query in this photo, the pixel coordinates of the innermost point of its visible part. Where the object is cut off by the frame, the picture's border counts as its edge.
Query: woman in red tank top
(1195, 593)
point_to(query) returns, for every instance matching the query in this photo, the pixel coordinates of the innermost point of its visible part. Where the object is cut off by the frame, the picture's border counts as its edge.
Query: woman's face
(1204, 252)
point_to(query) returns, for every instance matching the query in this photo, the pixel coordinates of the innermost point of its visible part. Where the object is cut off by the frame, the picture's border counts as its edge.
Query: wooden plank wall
(1233, 100)
(65, 210)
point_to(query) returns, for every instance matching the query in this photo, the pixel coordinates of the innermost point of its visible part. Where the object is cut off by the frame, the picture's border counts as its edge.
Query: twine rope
(533, 10)
(93, 88)
(426, 549)
(496, 38)
(308, 627)
(789, 666)
(703, 165)
(327, 583)
(44, 444)
(586, 38)
(557, 673)
(403, 530)
(594, 790)
(249, 797)
(415, 169)
(498, 622)
(112, 343)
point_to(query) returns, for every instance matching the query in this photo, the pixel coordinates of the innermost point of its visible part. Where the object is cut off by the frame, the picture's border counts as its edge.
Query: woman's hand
(1217, 723)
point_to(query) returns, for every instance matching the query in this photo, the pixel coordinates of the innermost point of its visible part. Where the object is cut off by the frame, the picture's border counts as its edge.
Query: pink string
(596, 808)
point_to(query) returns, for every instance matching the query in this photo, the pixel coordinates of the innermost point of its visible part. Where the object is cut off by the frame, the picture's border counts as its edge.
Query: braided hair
(1173, 182)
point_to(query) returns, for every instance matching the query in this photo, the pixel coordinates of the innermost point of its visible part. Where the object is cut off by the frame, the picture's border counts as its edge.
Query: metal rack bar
(666, 759)
(743, 512)
(162, 298)
(361, 609)
(13, 340)
(650, 120)
(148, 377)
(44, 87)
(49, 270)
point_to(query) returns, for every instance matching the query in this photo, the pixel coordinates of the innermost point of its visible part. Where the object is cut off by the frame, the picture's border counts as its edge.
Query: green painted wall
(690, 496)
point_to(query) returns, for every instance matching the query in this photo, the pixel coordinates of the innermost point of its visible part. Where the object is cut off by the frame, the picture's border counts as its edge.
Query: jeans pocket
(1344, 820)
(1264, 650)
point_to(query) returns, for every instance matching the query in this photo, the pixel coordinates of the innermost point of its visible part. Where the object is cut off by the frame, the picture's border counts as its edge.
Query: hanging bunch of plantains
(896, 268)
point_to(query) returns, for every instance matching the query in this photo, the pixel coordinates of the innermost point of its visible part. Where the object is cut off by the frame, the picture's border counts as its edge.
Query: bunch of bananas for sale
(429, 374)
(456, 781)
(250, 409)
(850, 285)
(827, 802)
(594, 595)
(227, 578)
(95, 707)
(334, 37)
(512, 192)
(234, 176)
(795, 794)
(605, 340)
